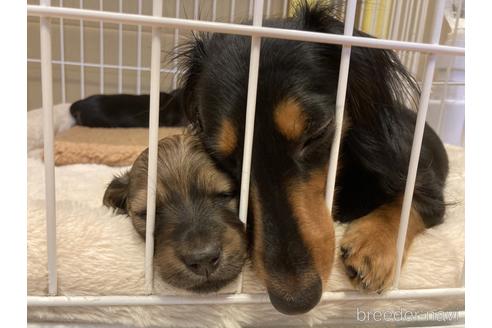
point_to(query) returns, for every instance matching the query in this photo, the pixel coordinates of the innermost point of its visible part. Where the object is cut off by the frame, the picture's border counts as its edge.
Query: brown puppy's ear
(117, 193)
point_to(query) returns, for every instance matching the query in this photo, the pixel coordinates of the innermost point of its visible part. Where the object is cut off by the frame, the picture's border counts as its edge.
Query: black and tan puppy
(200, 242)
(294, 127)
(291, 229)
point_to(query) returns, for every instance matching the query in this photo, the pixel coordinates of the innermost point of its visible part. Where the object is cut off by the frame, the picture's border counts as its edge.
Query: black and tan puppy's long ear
(117, 193)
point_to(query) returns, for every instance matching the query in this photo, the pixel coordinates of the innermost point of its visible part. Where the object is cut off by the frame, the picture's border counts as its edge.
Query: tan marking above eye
(226, 138)
(290, 119)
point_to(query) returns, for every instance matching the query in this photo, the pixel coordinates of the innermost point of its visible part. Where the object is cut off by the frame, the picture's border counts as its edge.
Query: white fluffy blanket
(99, 253)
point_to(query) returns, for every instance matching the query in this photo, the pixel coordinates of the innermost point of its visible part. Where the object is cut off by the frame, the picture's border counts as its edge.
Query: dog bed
(109, 146)
(99, 253)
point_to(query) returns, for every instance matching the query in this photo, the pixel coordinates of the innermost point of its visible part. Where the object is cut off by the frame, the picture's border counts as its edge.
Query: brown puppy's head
(200, 243)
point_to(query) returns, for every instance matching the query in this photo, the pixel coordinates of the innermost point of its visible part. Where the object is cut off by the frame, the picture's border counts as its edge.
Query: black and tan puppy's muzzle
(294, 242)
(200, 243)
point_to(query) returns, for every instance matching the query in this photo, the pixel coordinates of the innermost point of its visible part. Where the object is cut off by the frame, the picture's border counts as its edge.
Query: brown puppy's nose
(203, 261)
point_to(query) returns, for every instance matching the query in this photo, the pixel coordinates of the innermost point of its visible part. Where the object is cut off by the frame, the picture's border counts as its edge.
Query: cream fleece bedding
(99, 253)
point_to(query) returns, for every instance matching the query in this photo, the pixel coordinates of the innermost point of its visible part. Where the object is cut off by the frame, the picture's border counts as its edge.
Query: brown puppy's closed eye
(200, 243)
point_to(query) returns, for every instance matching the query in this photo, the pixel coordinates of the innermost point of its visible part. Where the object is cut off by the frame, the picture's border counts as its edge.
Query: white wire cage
(128, 57)
(92, 57)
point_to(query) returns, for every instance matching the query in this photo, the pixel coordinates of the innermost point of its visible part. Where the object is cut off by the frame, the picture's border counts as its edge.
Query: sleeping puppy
(200, 242)
(291, 230)
(293, 238)
(122, 110)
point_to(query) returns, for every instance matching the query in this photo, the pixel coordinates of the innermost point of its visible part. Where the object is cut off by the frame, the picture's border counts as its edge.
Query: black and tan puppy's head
(292, 230)
(200, 242)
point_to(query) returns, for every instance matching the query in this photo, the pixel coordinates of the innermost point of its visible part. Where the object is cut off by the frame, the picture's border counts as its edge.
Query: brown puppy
(200, 242)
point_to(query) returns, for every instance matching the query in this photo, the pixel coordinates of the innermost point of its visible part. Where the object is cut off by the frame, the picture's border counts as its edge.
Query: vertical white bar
(391, 20)
(254, 66)
(340, 103)
(155, 64)
(82, 58)
(463, 135)
(448, 71)
(387, 12)
(196, 9)
(48, 136)
(214, 10)
(396, 20)
(101, 51)
(420, 35)
(232, 13)
(139, 52)
(414, 33)
(404, 32)
(285, 8)
(176, 40)
(62, 59)
(406, 19)
(120, 51)
(417, 142)
(463, 274)
(412, 29)
(361, 14)
(374, 16)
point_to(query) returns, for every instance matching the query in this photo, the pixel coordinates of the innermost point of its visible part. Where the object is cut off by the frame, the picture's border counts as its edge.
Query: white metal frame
(256, 32)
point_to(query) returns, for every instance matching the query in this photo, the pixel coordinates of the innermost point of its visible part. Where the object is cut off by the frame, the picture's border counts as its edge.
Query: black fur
(375, 150)
(379, 115)
(376, 147)
(122, 110)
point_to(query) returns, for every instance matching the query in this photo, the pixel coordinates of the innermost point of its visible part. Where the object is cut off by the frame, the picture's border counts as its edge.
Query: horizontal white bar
(131, 68)
(450, 83)
(233, 298)
(175, 71)
(227, 28)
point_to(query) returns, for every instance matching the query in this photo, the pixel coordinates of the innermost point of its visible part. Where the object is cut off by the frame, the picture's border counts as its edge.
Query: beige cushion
(109, 146)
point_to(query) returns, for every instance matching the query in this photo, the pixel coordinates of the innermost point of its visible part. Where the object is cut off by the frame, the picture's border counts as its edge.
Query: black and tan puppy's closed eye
(200, 243)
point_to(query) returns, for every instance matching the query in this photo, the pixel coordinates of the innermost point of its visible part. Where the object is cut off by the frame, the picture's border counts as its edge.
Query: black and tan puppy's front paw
(368, 256)
(368, 248)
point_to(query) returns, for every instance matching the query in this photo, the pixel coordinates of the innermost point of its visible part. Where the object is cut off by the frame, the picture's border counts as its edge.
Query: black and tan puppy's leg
(368, 248)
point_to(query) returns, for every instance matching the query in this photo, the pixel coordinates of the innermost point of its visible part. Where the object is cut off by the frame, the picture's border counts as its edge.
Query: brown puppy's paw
(368, 251)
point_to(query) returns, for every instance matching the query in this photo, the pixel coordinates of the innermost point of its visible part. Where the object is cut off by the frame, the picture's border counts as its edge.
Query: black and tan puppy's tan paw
(368, 255)
(368, 247)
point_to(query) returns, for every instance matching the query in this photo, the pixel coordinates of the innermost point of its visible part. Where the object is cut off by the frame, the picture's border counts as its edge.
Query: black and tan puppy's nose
(297, 301)
(203, 261)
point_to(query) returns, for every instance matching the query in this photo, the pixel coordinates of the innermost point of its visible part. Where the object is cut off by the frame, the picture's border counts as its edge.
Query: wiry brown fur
(193, 198)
